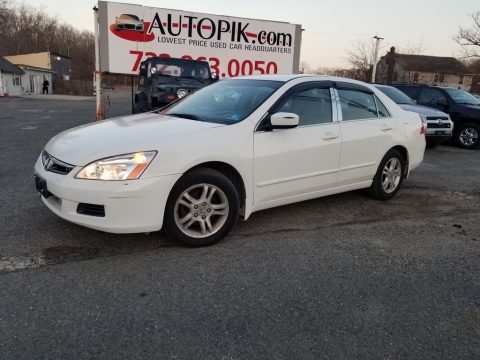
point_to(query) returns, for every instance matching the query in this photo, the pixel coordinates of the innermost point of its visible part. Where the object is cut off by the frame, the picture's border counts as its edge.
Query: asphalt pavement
(341, 277)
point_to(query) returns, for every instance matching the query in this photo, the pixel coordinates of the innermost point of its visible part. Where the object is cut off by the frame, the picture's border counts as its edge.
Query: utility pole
(98, 74)
(375, 57)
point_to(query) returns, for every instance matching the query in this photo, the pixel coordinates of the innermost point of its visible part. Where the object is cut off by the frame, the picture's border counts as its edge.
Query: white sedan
(232, 148)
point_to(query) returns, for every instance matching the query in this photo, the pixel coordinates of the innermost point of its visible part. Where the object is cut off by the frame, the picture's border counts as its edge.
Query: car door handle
(386, 127)
(330, 136)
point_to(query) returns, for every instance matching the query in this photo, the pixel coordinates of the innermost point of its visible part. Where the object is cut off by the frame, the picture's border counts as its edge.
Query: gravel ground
(339, 277)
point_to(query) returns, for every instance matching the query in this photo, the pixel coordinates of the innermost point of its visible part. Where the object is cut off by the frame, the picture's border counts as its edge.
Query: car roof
(425, 86)
(311, 77)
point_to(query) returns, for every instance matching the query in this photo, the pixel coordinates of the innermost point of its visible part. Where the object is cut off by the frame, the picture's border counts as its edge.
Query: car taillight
(423, 128)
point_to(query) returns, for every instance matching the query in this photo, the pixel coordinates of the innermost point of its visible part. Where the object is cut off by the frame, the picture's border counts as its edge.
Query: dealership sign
(233, 46)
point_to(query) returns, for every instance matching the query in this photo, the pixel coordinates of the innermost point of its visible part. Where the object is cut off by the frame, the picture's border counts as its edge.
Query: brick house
(396, 68)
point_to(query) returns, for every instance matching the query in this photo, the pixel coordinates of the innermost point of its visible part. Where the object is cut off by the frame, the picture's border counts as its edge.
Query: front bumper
(130, 206)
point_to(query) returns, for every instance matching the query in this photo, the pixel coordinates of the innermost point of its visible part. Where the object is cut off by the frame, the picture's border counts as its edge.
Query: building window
(435, 78)
(17, 80)
(415, 77)
(441, 78)
(460, 79)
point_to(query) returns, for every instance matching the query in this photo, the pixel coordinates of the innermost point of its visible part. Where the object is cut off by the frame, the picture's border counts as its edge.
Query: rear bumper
(130, 206)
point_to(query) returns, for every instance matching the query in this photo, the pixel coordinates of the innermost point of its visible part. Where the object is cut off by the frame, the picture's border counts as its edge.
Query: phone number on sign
(234, 67)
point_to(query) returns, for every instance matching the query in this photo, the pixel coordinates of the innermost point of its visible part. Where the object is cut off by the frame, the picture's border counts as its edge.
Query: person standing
(45, 86)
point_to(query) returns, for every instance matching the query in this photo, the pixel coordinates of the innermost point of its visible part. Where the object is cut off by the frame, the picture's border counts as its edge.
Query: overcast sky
(330, 26)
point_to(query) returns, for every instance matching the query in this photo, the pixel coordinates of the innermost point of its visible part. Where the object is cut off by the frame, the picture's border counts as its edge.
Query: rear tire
(467, 136)
(201, 209)
(389, 176)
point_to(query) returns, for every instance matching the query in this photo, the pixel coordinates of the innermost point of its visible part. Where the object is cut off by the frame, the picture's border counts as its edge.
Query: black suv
(463, 108)
(163, 80)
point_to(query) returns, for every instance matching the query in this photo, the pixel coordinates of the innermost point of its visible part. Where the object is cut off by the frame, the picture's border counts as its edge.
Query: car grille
(54, 165)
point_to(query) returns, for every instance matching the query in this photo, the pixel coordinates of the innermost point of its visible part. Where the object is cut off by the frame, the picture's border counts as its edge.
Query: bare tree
(361, 57)
(25, 29)
(413, 49)
(472, 64)
(469, 38)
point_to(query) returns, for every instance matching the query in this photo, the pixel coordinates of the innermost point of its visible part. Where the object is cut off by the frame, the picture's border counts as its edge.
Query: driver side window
(313, 106)
(431, 97)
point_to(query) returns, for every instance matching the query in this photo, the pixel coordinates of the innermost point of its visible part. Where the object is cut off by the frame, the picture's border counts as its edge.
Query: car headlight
(120, 167)
(181, 93)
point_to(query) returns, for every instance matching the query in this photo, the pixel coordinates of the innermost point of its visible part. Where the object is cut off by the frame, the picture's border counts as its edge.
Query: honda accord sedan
(232, 148)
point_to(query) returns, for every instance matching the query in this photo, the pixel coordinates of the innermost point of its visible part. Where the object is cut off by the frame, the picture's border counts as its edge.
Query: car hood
(142, 132)
(423, 110)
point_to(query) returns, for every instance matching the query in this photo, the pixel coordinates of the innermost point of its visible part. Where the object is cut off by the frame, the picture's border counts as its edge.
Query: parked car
(463, 108)
(163, 80)
(232, 148)
(439, 124)
(129, 22)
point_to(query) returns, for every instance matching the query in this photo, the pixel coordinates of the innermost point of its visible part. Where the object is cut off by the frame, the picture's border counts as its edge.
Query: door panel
(364, 142)
(295, 161)
(304, 159)
(365, 136)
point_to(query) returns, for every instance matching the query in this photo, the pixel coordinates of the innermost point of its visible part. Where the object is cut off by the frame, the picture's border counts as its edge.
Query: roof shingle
(437, 64)
(7, 67)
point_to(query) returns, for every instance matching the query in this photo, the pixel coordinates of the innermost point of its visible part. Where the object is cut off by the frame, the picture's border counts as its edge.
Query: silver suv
(439, 124)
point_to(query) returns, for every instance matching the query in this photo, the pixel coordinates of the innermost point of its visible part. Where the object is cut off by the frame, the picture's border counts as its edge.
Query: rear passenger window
(313, 106)
(357, 105)
(382, 110)
(431, 97)
(410, 91)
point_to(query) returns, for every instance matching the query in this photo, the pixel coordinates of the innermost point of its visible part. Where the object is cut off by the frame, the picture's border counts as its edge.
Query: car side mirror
(283, 120)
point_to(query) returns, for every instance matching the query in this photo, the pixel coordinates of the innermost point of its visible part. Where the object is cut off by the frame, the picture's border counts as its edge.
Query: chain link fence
(118, 93)
(72, 87)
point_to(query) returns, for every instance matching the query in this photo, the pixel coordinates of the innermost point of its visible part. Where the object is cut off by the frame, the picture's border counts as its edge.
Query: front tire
(201, 209)
(467, 136)
(389, 176)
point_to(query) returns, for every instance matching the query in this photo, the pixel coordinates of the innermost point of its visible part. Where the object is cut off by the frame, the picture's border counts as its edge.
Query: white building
(10, 79)
(33, 79)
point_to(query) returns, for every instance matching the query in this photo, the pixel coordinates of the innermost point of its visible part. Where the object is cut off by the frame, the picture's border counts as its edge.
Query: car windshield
(396, 95)
(462, 97)
(225, 102)
(193, 70)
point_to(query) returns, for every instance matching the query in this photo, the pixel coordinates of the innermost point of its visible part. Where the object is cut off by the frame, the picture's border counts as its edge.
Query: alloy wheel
(391, 175)
(201, 210)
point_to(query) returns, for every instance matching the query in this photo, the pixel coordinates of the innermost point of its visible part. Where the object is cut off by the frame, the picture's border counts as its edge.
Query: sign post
(100, 115)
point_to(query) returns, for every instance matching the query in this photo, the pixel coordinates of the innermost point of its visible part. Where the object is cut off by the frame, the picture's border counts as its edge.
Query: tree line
(25, 29)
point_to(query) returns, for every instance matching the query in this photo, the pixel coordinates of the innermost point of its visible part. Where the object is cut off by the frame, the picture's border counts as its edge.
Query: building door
(32, 84)
(2, 86)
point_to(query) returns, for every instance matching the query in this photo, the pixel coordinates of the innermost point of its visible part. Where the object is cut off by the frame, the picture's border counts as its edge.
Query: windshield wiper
(185, 116)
